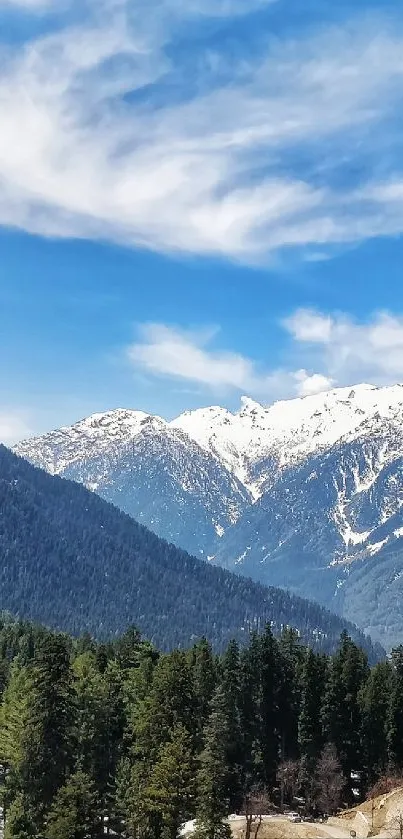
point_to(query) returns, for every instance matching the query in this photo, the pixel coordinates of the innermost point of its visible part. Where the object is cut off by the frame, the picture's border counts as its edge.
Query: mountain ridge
(71, 561)
(240, 488)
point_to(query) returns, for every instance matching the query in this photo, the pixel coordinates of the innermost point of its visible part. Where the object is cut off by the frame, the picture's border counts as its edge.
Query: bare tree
(385, 784)
(255, 805)
(395, 826)
(287, 777)
(330, 781)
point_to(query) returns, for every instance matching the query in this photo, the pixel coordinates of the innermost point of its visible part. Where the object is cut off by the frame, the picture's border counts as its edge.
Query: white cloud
(13, 427)
(170, 352)
(307, 384)
(347, 351)
(307, 325)
(86, 150)
(217, 8)
(334, 350)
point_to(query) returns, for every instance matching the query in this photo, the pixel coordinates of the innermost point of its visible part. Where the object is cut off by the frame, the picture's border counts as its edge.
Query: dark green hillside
(74, 562)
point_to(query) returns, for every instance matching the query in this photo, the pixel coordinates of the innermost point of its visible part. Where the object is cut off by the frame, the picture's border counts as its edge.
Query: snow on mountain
(93, 435)
(152, 471)
(330, 527)
(286, 431)
(305, 493)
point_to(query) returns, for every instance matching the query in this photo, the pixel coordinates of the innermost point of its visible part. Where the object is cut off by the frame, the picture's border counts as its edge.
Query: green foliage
(395, 714)
(171, 787)
(74, 813)
(215, 772)
(310, 729)
(119, 735)
(48, 743)
(14, 714)
(20, 822)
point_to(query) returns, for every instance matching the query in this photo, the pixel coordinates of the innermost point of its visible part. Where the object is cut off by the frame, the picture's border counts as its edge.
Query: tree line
(120, 739)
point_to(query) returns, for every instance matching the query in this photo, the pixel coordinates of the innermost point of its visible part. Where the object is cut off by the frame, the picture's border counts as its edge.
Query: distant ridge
(72, 561)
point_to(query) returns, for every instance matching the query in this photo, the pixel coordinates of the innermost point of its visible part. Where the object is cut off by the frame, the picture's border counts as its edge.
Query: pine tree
(20, 822)
(75, 813)
(171, 786)
(13, 716)
(234, 752)
(213, 779)
(395, 713)
(100, 725)
(290, 660)
(204, 678)
(250, 715)
(269, 733)
(342, 709)
(310, 735)
(170, 702)
(375, 698)
(48, 740)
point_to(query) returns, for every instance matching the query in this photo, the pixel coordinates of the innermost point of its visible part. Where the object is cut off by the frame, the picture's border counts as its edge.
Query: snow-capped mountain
(327, 522)
(288, 431)
(306, 493)
(149, 469)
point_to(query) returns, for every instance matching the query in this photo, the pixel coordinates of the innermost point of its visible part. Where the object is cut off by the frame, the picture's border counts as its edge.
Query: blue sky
(198, 199)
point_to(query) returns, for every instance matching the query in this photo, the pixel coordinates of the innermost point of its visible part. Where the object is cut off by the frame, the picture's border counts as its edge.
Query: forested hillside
(74, 562)
(118, 735)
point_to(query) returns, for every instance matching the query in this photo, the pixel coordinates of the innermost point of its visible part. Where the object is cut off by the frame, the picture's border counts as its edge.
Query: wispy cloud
(173, 353)
(88, 150)
(350, 351)
(330, 350)
(13, 426)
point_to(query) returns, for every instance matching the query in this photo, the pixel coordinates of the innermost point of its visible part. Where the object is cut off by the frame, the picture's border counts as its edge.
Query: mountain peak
(250, 406)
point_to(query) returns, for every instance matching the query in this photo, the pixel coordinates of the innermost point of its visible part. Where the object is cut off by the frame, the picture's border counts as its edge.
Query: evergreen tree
(342, 709)
(310, 733)
(290, 659)
(395, 713)
(48, 742)
(75, 813)
(250, 714)
(269, 733)
(13, 716)
(100, 724)
(213, 779)
(204, 678)
(375, 698)
(233, 751)
(20, 822)
(171, 787)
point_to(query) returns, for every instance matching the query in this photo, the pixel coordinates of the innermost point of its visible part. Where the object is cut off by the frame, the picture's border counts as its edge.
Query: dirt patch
(281, 828)
(379, 814)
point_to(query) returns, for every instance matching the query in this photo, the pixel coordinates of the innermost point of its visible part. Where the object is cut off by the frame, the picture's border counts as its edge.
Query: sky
(199, 199)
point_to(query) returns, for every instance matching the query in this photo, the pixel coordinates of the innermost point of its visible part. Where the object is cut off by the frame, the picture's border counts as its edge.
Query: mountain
(151, 470)
(331, 529)
(306, 493)
(72, 561)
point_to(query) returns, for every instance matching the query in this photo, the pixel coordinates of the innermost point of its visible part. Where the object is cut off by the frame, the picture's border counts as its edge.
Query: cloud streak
(169, 352)
(13, 427)
(333, 349)
(350, 351)
(88, 150)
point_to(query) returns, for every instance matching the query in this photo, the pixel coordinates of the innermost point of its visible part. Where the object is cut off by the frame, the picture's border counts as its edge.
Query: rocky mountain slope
(151, 470)
(306, 493)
